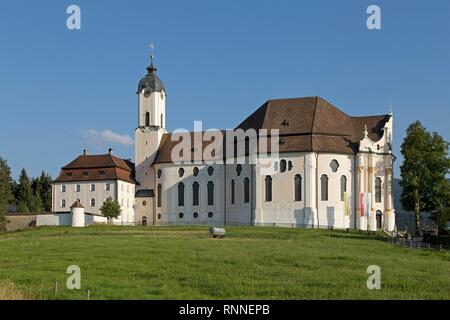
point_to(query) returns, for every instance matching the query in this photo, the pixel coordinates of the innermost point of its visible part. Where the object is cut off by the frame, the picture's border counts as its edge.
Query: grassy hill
(184, 263)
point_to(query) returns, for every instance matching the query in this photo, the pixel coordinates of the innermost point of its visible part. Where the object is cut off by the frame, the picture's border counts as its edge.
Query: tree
(45, 182)
(6, 196)
(24, 193)
(423, 172)
(110, 209)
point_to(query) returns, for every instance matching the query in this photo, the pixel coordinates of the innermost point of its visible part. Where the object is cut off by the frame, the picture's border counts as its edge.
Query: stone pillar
(361, 223)
(372, 225)
(389, 223)
(310, 190)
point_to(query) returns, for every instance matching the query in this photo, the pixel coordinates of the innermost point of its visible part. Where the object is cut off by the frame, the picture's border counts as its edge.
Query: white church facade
(332, 170)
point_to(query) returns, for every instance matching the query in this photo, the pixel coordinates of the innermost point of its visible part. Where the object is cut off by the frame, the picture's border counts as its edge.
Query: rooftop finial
(151, 68)
(365, 131)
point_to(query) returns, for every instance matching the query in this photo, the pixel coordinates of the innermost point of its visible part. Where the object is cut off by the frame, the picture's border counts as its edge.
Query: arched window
(298, 187)
(232, 191)
(195, 193)
(181, 172)
(246, 190)
(144, 220)
(159, 195)
(324, 187)
(195, 171)
(147, 119)
(268, 181)
(210, 193)
(283, 165)
(210, 171)
(239, 169)
(180, 194)
(343, 186)
(378, 189)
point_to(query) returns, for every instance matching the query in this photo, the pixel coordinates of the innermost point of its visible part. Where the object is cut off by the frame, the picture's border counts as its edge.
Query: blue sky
(61, 90)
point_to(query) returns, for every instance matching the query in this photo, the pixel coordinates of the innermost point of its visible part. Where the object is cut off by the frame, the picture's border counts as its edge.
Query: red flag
(361, 204)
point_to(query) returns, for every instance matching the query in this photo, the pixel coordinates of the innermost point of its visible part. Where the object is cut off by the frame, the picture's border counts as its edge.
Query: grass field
(184, 263)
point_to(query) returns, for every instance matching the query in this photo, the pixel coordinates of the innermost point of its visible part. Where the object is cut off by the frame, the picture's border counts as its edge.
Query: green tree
(24, 193)
(6, 196)
(110, 209)
(425, 165)
(45, 182)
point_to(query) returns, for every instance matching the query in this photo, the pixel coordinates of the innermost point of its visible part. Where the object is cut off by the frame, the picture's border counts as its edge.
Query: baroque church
(332, 170)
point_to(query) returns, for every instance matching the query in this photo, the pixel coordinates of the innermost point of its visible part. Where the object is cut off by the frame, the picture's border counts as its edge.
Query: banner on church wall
(361, 204)
(367, 203)
(346, 204)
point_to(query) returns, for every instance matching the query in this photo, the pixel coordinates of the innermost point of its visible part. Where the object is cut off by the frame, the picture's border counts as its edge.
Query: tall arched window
(298, 187)
(246, 190)
(324, 187)
(180, 194)
(378, 189)
(147, 119)
(159, 195)
(195, 193)
(233, 185)
(343, 186)
(268, 182)
(210, 193)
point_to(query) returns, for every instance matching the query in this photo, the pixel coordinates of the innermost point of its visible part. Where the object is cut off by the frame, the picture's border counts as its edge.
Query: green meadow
(185, 263)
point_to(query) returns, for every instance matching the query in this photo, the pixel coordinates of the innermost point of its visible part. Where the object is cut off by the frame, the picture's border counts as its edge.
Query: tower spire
(151, 68)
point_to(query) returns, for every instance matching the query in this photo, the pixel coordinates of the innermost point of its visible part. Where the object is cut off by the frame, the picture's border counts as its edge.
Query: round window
(181, 172)
(210, 214)
(334, 165)
(144, 203)
(181, 215)
(159, 216)
(195, 214)
(210, 170)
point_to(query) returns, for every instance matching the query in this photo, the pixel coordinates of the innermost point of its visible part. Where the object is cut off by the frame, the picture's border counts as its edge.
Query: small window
(181, 172)
(77, 188)
(343, 187)
(238, 169)
(283, 166)
(144, 203)
(63, 188)
(181, 215)
(85, 173)
(334, 165)
(324, 187)
(92, 202)
(378, 190)
(290, 165)
(195, 215)
(210, 170)
(195, 193)
(92, 187)
(180, 194)
(147, 119)
(195, 171)
(108, 187)
(102, 172)
(159, 173)
(232, 191)
(159, 195)
(210, 193)
(246, 190)
(69, 173)
(268, 182)
(210, 214)
(159, 216)
(63, 203)
(298, 187)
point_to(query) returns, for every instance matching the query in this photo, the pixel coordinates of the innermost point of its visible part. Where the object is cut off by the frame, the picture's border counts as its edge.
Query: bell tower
(151, 125)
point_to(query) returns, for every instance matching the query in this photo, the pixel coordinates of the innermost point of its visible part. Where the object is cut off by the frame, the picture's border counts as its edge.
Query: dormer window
(85, 173)
(102, 172)
(69, 173)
